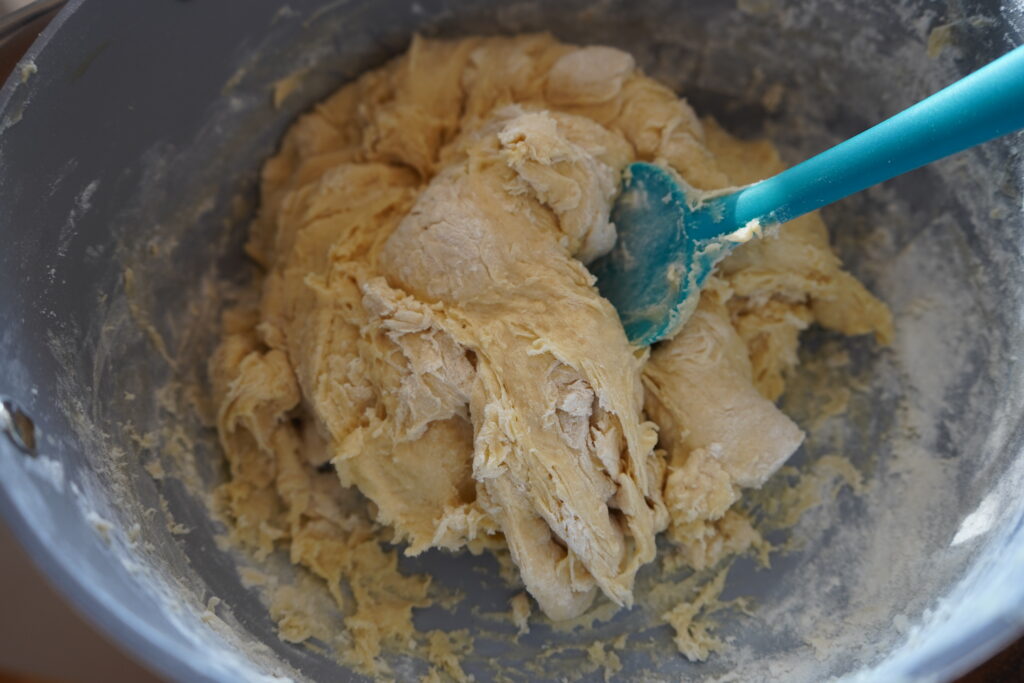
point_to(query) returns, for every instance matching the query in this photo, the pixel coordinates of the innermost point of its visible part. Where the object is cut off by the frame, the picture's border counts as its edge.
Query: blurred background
(11, 5)
(42, 639)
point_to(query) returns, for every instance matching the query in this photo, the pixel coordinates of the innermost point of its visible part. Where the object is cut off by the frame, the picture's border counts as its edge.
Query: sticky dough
(426, 323)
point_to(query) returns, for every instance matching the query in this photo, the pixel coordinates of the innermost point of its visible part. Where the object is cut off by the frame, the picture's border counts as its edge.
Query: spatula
(670, 235)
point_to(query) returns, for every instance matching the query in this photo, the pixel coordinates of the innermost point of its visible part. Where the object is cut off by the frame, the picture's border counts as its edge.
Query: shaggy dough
(426, 324)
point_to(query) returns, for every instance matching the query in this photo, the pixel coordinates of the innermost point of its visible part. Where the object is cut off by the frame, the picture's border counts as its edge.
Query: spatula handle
(984, 105)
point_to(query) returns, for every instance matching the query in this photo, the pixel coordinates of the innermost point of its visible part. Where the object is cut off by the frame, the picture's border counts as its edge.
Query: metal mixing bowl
(130, 139)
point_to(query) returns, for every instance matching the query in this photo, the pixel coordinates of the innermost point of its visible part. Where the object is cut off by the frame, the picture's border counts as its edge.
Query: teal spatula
(671, 235)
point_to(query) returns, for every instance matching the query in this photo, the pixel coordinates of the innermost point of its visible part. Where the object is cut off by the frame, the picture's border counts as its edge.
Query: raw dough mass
(426, 327)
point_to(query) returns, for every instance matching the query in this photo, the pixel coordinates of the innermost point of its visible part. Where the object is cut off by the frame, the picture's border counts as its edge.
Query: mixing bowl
(130, 141)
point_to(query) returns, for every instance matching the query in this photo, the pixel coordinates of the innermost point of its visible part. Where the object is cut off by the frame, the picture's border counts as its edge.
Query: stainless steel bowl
(130, 138)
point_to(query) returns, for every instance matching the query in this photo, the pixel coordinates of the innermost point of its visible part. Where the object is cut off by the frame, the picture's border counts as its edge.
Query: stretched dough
(426, 324)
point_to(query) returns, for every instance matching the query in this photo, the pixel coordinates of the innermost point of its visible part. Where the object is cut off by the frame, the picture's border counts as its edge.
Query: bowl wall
(129, 156)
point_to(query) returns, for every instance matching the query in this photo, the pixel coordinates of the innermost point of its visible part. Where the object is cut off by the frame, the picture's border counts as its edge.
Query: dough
(427, 328)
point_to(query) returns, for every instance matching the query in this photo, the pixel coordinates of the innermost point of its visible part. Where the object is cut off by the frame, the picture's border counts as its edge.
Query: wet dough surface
(425, 326)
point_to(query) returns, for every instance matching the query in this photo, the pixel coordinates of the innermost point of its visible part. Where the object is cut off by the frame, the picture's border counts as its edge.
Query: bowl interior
(129, 156)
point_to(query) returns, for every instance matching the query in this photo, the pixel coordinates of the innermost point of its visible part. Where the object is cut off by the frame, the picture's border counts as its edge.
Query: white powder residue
(70, 228)
(27, 69)
(102, 526)
(48, 469)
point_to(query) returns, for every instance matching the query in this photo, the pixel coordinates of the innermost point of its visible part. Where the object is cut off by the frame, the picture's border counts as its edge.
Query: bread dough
(426, 324)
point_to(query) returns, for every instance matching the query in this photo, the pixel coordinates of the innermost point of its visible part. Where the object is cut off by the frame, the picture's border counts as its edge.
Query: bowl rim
(154, 650)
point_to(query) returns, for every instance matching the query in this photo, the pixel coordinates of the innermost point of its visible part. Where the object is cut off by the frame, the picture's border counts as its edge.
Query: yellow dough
(426, 323)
